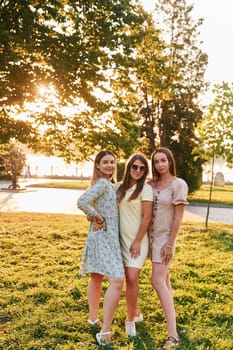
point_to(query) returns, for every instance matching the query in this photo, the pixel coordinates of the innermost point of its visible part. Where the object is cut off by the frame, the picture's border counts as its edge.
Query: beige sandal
(103, 338)
(171, 343)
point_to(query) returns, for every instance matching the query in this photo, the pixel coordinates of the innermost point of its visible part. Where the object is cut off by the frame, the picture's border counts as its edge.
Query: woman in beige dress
(135, 200)
(170, 193)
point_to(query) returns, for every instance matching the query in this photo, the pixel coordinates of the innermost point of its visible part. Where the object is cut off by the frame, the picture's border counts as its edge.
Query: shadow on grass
(224, 237)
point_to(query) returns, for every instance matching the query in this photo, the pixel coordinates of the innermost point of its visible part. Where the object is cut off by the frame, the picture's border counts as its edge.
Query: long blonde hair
(96, 173)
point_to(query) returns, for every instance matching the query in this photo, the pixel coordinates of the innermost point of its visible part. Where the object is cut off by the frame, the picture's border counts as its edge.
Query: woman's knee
(117, 282)
(132, 277)
(121, 283)
(156, 283)
(132, 280)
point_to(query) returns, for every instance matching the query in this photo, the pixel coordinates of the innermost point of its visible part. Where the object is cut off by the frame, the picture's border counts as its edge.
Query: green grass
(79, 184)
(220, 195)
(43, 303)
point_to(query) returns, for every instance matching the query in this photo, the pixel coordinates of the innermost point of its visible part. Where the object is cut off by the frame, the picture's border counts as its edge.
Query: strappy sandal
(103, 338)
(139, 317)
(95, 323)
(171, 343)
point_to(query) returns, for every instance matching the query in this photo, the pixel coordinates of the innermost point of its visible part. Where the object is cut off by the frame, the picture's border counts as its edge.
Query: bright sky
(216, 33)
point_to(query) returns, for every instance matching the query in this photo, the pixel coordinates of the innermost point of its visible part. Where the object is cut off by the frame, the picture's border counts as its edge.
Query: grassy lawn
(80, 184)
(43, 303)
(220, 195)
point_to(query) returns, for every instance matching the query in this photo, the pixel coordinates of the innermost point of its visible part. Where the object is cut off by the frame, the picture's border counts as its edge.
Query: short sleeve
(86, 200)
(180, 192)
(147, 193)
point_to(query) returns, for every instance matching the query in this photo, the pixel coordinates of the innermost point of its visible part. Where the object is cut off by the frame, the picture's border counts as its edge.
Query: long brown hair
(170, 158)
(96, 173)
(126, 177)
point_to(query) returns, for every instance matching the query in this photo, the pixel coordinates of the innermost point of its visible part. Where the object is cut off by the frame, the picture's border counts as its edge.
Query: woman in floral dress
(102, 253)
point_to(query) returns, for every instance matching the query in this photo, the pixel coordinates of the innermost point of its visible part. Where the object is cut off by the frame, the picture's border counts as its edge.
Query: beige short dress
(163, 213)
(130, 220)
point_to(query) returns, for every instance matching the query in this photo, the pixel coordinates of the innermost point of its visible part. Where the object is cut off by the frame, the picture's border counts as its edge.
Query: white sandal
(97, 322)
(139, 317)
(171, 343)
(103, 338)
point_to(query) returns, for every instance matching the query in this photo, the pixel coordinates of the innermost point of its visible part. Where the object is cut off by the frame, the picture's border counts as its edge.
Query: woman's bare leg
(94, 295)
(111, 300)
(161, 283)
(132, 291)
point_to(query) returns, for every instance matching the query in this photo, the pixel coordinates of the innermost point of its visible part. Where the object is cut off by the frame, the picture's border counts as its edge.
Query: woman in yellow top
(135, 200)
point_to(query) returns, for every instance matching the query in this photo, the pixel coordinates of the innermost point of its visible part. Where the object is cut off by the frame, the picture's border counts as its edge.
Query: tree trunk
(210, 194)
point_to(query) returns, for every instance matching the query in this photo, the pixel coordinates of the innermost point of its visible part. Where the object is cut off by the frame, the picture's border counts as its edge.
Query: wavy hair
(126, 177)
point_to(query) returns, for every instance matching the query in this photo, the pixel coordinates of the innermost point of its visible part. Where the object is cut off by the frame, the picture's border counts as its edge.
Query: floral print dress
(102, 252)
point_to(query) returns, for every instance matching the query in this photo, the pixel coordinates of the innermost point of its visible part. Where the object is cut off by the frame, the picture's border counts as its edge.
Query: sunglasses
(137, 167)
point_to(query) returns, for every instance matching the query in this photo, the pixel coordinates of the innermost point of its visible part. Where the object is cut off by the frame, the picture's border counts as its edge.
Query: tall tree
(216, 131)
(216, 128)
(177, 113)
(152, 86)
(71, 48)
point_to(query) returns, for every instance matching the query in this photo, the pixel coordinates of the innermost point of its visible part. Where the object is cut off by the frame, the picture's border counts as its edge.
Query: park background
(43, 300)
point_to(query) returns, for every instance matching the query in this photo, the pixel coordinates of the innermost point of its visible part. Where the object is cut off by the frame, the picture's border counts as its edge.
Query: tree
(70, 48)
(11, 128)
(216, 130)
(13, 160)
(151, 72)
(174, 109)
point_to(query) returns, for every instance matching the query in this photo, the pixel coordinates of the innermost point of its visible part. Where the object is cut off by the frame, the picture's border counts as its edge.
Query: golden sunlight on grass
(221, 195)
(44, 303)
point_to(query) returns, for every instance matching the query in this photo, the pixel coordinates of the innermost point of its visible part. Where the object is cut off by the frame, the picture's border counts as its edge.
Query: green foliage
(109, 78)
(181, 113)
(151, 73)
(44, 302)
(216, 129)
(68, 44)
(73, 50)
(11, 128)
(189, 166)
(120, 171)
(171, 109)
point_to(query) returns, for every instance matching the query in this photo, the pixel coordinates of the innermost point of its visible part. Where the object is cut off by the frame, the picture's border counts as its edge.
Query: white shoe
(97, 323)
(138, 318)
(103, 338)
(130, 328)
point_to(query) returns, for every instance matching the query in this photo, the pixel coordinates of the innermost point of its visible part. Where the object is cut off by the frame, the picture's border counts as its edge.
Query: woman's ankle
(174, 335)
(105, 329)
